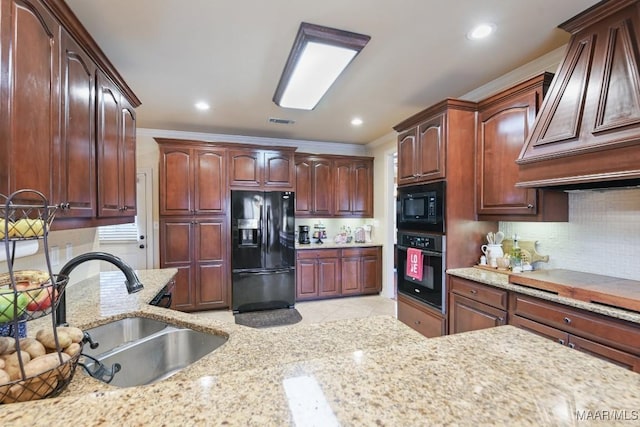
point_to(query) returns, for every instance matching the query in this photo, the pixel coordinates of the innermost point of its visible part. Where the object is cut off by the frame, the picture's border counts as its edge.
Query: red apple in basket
(41, 298)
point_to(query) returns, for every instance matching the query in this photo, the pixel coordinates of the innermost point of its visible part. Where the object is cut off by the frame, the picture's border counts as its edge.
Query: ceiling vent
(281, 121)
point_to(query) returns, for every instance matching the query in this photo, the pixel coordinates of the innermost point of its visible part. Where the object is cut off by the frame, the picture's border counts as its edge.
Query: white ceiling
(230, 53)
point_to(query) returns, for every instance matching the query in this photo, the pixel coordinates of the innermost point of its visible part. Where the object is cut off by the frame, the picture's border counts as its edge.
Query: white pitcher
(492, 251)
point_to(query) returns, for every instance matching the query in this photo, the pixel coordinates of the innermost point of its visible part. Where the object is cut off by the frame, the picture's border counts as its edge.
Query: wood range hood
(587, 134)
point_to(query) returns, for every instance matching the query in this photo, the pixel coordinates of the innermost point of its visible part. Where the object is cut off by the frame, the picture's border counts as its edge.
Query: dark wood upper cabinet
(334, 186)
(421, 152)
(279, 169)
(314, 179)
(75, 173)
(192, 180)
(30, 97)
(353, 187)
(588, 130)
(264, 169)
(68, 129)
(116, 152)
(504, 122)
(424, 138)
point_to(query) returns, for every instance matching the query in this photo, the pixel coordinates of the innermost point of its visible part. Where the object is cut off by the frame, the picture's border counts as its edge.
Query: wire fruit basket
(40, 367)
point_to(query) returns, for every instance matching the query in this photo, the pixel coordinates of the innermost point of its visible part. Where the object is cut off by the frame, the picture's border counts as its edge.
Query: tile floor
(328, 310)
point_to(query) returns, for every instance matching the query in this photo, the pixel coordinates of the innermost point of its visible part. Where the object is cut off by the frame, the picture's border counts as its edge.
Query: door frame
(148, 210)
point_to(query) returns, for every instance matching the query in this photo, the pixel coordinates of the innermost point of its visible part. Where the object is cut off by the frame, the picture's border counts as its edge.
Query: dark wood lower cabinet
(361, 271)
(469, 315)
(620, 358)
(327, 273)
(196, 247)
(427, 321)
(475, 306)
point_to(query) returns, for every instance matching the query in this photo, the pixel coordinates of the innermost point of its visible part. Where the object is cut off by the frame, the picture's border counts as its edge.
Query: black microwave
(421, 207)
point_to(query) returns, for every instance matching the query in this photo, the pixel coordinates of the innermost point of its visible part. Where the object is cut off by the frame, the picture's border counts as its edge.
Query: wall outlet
(69, 253)
(54, 255)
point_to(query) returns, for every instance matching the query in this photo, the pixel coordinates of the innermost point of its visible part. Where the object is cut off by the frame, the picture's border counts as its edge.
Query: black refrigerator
(263, 255)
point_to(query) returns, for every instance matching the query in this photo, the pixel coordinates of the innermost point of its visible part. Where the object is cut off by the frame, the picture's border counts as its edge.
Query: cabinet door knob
(561, 341)
(141, 246)
(417, 322)
(500, 319)
(473, 291)
(567, 320)
(529, 206)
(572, 345)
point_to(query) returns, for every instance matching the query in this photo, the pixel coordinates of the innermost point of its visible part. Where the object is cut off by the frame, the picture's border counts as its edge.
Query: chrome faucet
(133, 283)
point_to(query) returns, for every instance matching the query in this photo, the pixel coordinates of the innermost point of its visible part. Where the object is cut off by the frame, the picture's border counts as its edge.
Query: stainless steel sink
(121, 332)
(153, 356)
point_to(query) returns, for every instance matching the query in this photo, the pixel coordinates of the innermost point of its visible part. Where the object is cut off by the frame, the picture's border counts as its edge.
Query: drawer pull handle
(500, 319)
(473, 291)
(567, 320)
(572, 345)
(561, 341)
(417, 322)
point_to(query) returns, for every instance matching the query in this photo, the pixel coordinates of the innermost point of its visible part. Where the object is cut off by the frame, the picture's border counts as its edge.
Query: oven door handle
(424, 252)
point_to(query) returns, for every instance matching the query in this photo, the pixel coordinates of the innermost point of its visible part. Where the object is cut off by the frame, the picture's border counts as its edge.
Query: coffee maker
(303, 235)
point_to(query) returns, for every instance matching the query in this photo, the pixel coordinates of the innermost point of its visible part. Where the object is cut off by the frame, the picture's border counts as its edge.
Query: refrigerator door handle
(268, 209)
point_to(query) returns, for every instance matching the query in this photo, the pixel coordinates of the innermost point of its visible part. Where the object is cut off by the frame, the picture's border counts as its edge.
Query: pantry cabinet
(473, 306)
(193, 181)
(196, 247)
(504, 122)
(264, 169)
(64, 100)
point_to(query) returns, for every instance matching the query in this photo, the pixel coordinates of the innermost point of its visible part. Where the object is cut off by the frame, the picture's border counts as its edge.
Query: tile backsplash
(601, 237)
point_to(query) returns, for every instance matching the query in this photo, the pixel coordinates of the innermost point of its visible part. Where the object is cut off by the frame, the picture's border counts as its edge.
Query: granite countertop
(371, 371)
(330, 244)
(501, 280)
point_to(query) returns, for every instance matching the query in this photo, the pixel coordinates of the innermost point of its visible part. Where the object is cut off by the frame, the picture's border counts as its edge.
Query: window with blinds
(119, 233)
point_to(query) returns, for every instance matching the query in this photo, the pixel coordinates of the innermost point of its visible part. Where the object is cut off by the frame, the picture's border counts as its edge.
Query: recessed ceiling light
(357, 121)
(481, 31)
(202, 106)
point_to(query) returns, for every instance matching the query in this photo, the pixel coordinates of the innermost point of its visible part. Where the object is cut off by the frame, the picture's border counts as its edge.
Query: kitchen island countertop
(353, 372)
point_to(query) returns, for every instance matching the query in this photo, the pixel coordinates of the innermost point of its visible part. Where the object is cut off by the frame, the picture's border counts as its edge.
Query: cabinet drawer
(356, 252)
(479, 292)
(539, 329)
(619, 334)
(317, 253)
(421, 319)
(620, 358)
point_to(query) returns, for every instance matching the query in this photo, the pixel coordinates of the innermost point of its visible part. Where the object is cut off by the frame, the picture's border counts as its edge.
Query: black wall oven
(429, 288)
(421, 207)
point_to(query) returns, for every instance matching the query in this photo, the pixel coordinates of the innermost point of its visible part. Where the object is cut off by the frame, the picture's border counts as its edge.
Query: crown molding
(313, 147)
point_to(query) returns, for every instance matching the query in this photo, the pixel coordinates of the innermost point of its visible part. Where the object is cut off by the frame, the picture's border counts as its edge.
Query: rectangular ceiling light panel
(317, 58)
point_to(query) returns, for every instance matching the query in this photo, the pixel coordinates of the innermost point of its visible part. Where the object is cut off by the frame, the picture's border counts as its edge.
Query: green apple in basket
(7, 299)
